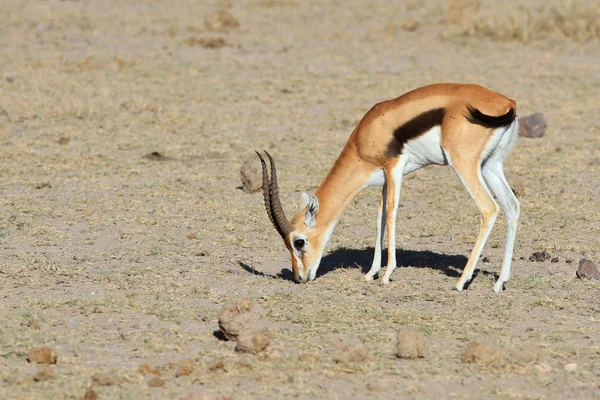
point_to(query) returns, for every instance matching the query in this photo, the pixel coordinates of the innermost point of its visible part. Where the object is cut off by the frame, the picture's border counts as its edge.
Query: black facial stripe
(413, 129)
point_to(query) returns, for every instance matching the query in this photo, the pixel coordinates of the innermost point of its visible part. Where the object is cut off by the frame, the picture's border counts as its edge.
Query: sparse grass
(577, 20)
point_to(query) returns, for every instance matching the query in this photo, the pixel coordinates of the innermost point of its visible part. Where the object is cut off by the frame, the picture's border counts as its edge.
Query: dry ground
(123, 260)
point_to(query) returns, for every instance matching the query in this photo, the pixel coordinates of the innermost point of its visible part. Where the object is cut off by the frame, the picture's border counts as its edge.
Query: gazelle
(468, 127)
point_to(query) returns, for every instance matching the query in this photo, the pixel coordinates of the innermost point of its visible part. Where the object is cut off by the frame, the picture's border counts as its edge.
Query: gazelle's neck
(345, 179)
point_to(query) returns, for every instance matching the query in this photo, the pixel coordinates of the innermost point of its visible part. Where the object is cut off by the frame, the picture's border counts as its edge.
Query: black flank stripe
(413, 129)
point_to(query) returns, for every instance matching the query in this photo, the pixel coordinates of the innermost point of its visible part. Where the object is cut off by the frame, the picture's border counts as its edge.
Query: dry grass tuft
(577, 20)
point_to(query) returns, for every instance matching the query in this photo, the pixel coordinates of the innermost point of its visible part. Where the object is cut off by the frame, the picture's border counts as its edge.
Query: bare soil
(124, 229)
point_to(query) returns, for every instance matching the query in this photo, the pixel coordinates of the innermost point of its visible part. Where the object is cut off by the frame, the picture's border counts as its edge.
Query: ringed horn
(271, 195)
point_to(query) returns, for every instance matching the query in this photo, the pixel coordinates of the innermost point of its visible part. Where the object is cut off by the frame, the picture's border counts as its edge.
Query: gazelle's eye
(299, 243)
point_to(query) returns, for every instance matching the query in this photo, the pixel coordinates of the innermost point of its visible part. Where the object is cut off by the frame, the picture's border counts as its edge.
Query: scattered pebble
(184, 368)
(208, 43)
(147, 369)
(156, 156)
(410, 344)
(42, 355)
(540, 256)
(42, 185)
(409, 24)
(485, 260)
(220, 21)
(218, 366)
(588, 270)
(156, 381)
(555, 260)
(533, 126)
(569, 261)
(251, 175)
(33, 324)
(527, 355)
(571, 367)
(351, 354)
(44, 373)
(477, 353)
(106, 379)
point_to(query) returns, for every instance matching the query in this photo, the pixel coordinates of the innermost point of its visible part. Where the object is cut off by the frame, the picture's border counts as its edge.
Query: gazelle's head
(304, 240)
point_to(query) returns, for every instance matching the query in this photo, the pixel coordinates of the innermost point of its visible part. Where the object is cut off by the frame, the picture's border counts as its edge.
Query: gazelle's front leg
(381, 212)
(394, 184)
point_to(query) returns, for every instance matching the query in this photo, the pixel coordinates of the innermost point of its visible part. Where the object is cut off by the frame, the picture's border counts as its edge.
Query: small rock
(249, 343)
(207, 43)
(219, 366)
(10, 79)
(555, 260)
(571, 367)
(533, 126)
(191, 236)
(33, 324)
(220, 21)
(42, 185)
(42, 355)
(588, 270)
(243, 316)
(477, 353)
(251, 175)
(64, 140)
(351, 354)
(106, 379)
(528, 355)
(156, 156)
(44, 373)
(485, 260)
(543, 368)
(569, 261)
(184, 368)
(540, 256)
(410, 344)
(409, 24)
(157, 381)
(89, 395)
(146, 369)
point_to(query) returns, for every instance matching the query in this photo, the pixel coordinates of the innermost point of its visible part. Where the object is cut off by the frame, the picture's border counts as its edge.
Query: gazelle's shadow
(449, 264)
(343, 258)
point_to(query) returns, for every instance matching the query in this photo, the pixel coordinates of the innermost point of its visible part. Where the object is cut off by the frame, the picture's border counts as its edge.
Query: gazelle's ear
(311, 211)
(304, 199)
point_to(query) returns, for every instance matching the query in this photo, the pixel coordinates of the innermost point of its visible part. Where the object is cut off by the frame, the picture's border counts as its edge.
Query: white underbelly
(424, 150)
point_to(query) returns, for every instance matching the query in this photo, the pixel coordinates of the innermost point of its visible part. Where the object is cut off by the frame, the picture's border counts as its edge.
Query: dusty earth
(123, 229)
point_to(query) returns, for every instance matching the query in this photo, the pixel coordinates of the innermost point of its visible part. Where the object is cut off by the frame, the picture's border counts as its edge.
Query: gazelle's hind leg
(470, 176)
(381, 212)
(493, 173)
(494, 176)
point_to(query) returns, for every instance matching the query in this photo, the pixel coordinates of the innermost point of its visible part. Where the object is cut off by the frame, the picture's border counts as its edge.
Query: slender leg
(376, 266)
(493, 174)
(394, 184)
(470, 176)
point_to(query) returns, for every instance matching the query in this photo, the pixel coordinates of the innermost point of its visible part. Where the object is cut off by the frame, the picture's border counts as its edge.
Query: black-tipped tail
(489, 121)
